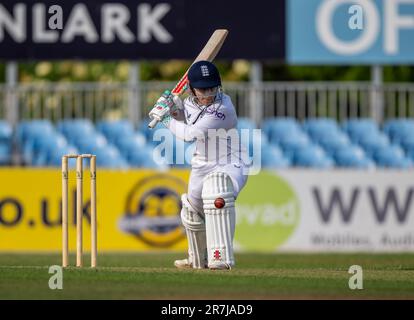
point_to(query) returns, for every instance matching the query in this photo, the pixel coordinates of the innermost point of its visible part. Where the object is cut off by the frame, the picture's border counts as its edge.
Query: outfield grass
(152, 276)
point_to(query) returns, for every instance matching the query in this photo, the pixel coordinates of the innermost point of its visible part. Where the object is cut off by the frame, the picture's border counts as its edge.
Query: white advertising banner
(318, 211)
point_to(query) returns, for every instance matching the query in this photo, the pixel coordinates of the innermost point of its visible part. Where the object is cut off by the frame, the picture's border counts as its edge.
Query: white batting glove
(162, 108)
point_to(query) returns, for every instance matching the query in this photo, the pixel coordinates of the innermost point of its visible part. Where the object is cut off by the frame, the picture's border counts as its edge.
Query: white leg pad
(220, 221)
(196, 234)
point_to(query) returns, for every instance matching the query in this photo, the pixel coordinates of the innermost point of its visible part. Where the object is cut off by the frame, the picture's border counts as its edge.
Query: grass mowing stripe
(151, 276)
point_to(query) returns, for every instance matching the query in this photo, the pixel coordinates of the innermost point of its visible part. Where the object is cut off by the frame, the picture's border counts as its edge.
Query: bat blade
(208, 53)
(213, 45)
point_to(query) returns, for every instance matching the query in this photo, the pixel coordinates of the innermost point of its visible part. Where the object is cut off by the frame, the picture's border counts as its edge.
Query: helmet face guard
(205, 93)
(214, 95)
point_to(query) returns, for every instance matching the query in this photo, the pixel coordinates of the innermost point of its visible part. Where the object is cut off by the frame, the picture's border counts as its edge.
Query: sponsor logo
(217, 254)
(390, 204)
(213, 111)
(204, 71)
(81, 22)
(152, 212)
(268, 218)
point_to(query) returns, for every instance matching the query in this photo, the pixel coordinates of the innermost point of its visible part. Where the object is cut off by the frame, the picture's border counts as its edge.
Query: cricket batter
(208, 209)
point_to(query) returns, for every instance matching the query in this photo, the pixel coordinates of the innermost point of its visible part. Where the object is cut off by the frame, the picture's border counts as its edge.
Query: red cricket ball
(219, 203)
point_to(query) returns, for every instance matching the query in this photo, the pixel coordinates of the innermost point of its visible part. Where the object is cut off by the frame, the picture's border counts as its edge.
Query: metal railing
(95, 101)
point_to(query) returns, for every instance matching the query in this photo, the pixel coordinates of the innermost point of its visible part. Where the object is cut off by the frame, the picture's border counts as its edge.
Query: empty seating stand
(319, 143)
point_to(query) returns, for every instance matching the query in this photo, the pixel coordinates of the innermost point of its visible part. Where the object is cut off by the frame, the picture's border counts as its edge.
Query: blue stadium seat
(284, 137)
(131, 143)
(391, 157)
(44, 147)
(316, 143)
(91, 142)
(272, 157)
(331, 143)
(67, 125)
(150, 163)
(115, 130)
(109, 157)
(410, 154)
(137, 156)
(24, 125)
(32, 141)
(293, 142)
(55, 158)
(5, 154)
(358, 128)
(399, 129)
(312, 156)
(398, 163)
(245, 123)
(318, 128)
(75, 129)
(147, 132)
(372, 142)
(6, 130)
(353, 157)
(6, 133)
(27, 130)
(392, 126)
(276, 127)
(401, 135)
(145, 158)
(408, 145)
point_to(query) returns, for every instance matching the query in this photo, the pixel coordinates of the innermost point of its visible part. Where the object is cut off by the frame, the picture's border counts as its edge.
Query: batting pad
(196, 234)
(220, 221)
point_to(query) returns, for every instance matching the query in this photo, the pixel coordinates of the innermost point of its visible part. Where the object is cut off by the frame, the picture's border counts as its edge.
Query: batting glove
(162, 108)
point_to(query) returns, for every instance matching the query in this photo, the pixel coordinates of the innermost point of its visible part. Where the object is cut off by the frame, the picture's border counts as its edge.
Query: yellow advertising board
(137, 210)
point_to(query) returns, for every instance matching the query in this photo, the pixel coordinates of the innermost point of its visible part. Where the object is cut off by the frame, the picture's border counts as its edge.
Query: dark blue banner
(151, 29)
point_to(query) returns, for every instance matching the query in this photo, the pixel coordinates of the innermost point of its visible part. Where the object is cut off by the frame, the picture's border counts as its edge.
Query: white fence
(340, 100)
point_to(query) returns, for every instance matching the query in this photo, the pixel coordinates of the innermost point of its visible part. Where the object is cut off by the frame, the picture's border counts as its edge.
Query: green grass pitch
(256, 276)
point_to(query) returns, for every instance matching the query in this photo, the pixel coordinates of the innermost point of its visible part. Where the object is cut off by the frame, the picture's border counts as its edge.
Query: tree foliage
(237, 70)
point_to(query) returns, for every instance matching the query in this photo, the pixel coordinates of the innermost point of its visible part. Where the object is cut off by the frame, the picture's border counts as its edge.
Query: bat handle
(152, 123)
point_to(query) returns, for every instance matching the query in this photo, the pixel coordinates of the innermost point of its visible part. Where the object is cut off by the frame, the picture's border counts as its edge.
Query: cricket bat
(208, 53)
